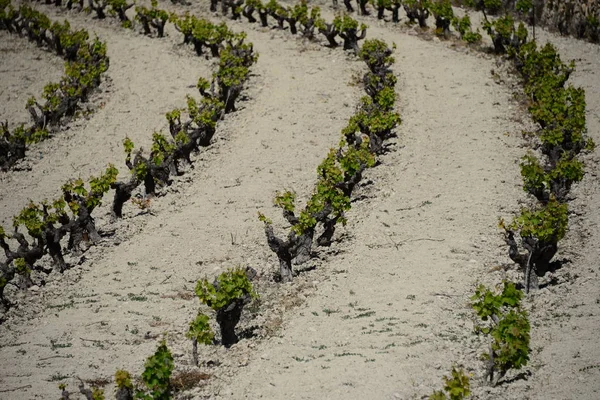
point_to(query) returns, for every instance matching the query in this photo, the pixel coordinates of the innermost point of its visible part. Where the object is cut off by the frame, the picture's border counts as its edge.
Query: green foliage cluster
(156, 378)
(308, 18)
(346, 28)
(456, 387)
(464, 28)
(508, 326)
(234, 64)
(444, 15)
(343, 167)
(544, 182)
(547, 224)
(227, 296)
(200, 330)
(557, 107)
(153, 17)
(505, 36)
(86, 61)
(157, 374)
(118, 8)
(417, 11)
(47, 223)
(231, 286)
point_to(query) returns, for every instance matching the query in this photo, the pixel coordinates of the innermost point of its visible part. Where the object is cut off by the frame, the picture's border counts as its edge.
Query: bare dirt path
(206, 223)
(392, 317)
(148, 77)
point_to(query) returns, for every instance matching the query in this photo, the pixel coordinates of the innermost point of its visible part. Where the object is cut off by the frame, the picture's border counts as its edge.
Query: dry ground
(385, 314)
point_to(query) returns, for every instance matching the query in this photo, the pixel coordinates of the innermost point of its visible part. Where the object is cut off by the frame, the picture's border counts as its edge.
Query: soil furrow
(207, 222)
(392, 315)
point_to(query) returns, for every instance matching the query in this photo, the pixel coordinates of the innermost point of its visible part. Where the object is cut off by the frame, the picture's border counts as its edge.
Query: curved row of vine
(361, 141)
(86, 62)
(42, 228)
(548, 171)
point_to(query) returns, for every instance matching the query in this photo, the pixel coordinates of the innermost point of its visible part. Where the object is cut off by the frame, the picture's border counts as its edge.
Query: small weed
(365, 314)
(54, 345)
(58, 377)
(134, 297)
(414, 342)
(384, 330)
(411, 297)
(386, 318)
(60, 307)
(328, 311)
(345, 354)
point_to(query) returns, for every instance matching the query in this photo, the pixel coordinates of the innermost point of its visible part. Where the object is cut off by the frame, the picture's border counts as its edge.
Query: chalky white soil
(385, 315)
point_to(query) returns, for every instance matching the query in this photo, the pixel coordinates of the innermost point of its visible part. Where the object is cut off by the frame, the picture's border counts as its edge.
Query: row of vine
(361, 141)
(86, 62)
(549, 170)
(66, 223)
(299, 19)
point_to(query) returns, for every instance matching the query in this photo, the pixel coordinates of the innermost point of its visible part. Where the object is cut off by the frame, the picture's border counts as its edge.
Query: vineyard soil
(385, 314)
(25, 70)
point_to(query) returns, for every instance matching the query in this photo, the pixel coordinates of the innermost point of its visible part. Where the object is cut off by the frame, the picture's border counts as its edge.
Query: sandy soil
(385, 315)
(147, 78)
(25, 70)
